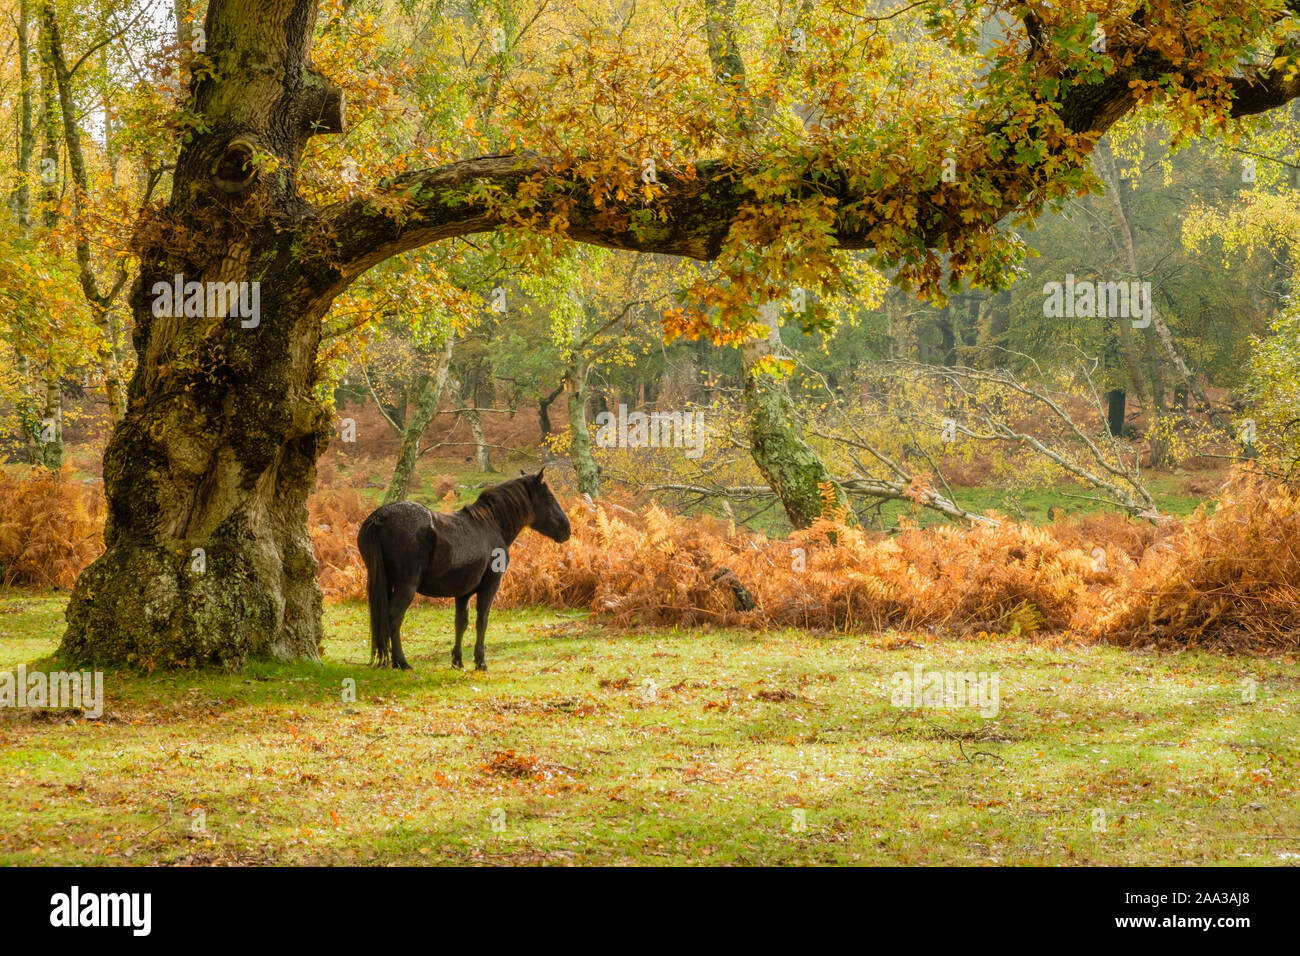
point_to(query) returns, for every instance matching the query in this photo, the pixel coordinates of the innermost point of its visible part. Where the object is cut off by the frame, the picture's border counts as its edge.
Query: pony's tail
(372, 553)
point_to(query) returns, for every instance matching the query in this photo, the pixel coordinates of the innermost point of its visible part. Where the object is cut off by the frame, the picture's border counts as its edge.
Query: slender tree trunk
(1159, 439)
(948, 335)
(47, 424)
(21, 205)
(52, 424)
(49, 137)
(544, 403)
(113, 356)
(1114, 185)
(21, 200)
(1157, 322)
(28, 415)
(1116, 411)
(793, 470)
(580, 442)
(101, 303)
(424, 409)
(893, 326)
(482, 453)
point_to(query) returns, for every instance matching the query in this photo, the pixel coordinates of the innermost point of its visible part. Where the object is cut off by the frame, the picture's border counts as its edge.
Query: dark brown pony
(409, 549)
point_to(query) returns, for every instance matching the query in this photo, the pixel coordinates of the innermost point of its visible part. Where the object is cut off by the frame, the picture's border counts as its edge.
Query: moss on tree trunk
(428, 397)
(580, 442)
(208, 558)
(793, 469)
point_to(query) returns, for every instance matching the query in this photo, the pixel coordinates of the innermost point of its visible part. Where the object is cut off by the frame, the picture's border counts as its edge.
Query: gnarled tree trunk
(208, 559)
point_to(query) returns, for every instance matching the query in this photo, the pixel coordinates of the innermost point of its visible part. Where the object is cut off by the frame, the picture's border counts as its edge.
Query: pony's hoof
(401, 666)
(458, 665)
(480, 667)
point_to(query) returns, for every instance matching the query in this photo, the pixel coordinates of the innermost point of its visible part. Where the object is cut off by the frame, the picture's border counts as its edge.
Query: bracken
(1226, 578)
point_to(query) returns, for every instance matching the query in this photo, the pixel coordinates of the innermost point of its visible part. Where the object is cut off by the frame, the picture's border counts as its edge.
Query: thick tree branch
(696, 205)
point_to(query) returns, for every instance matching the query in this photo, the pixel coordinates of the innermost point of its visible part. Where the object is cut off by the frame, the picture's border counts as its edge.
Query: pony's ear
(538, 476)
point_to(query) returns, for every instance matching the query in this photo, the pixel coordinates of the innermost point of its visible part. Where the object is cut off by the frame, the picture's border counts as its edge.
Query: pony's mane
(508, 505)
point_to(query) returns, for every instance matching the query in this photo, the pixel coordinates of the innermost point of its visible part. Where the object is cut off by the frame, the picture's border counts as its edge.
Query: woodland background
(1102, 481)
(911, 464)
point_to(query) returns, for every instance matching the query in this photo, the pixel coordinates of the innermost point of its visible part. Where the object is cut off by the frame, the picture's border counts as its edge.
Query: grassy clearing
(1037, 505)
(563, 745)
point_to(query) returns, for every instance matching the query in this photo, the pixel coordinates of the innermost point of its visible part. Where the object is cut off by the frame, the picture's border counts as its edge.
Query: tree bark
(948, 335)
(52, 423)
(21, 200)
(208, 559)
(428, 396)
(580, 440)
(1116, 406)
(794, 471)
(482, 453)
(27, 417)
(49, 137)
(20, 203)
(544, 413)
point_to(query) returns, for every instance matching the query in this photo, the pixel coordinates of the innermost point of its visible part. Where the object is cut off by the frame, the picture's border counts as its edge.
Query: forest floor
(583, 744)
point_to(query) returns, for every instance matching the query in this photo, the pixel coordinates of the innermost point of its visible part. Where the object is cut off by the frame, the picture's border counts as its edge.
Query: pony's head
(548, 517)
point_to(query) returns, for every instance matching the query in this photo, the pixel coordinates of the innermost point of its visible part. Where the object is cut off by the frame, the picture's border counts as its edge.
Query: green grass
(1034, 505)
(742, 730)
(470, 480)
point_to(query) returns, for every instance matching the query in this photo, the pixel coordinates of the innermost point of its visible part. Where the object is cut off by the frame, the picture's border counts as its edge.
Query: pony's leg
(403, 595)
(483, 603)
(462, 622)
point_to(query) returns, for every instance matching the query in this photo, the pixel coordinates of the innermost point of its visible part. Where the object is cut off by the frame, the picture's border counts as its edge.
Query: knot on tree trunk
(235, 170)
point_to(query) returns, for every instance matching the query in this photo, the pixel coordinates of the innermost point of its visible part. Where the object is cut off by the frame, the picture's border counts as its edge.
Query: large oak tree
(218, 446)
